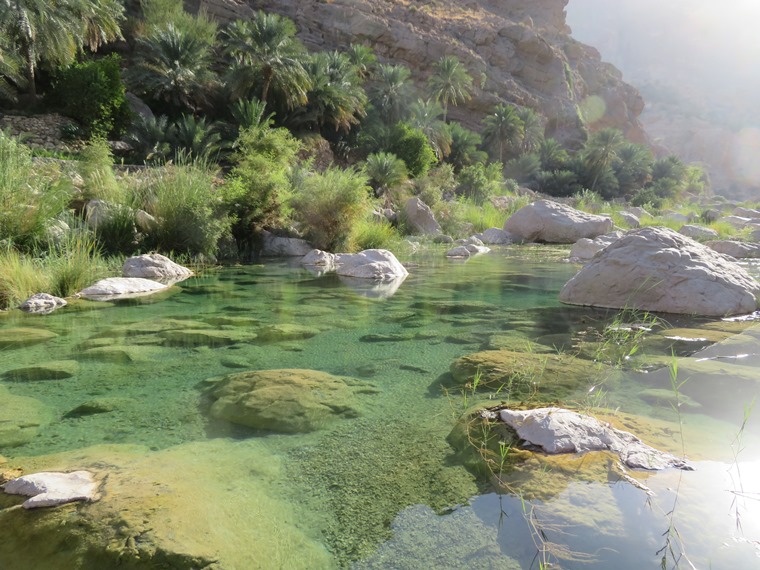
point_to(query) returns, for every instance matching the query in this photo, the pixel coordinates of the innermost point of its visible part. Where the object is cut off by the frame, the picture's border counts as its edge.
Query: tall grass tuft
(187, 207)
(482, 217)
(74, 264)
(96, 170)
(20, 278)
(373, 234)
(29, 198)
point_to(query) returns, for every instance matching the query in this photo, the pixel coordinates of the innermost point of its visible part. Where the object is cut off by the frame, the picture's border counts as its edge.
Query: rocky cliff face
(518, 51)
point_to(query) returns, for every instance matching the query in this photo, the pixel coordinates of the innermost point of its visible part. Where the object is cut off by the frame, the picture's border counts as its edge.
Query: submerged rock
(20, 418)
(284, 332)
(48, 489)
(205, 337)
(552, 222)
(657, 269)
(54, 370)
(42, 304)
(287, 400)
(121, 288)
(556, 430)
(156, 267)
(23, 336)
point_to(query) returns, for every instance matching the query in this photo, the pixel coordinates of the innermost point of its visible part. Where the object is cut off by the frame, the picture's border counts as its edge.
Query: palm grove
(249, 131)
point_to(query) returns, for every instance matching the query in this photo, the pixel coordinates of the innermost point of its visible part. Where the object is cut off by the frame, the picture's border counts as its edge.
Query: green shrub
(436, 185)
(188, 208)
(257, 190)
(96, 169)
(331, 204)
(373, 234)
(30, 196)
(412, 146)
(92, 93)
(479, 182)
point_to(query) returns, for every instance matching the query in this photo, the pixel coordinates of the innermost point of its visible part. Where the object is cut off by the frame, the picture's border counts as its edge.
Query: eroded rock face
(556, 430)
(657, 269)
(156, 267)
(520, 52)
(552, 222)
(287, 400)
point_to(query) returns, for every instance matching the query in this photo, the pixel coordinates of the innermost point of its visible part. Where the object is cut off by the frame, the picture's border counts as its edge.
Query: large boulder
(746, 212)
(379, 264)
(289, 400)
(156, 267)
(556, 430)
(121, 288)
(551, 222)
(697, 232)
(495, 236)
(737, 249)
(420, 217)
(275, 246)
(657, 269)
(584, 249)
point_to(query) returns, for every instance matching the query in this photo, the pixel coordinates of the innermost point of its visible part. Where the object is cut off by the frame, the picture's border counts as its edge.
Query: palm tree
(363, 58)
(503, 129)
(196, 139)
(632, 166)
(266, 54)
(391, 92)
(553, 156)
(464, 147)
(450, 82)
(10, 75)
(336, 97)
(533, 129)
(425, 116)
(149, 137)
(385, 172)
(41, 31)
(598, 154)
(172, 66)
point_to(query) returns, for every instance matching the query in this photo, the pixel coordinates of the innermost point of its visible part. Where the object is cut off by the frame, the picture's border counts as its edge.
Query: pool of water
(385, 489)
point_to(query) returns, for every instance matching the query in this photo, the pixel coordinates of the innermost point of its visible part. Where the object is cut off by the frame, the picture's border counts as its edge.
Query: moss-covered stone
(522, 375)
(118, 354)
(288, 400)
(284, 331)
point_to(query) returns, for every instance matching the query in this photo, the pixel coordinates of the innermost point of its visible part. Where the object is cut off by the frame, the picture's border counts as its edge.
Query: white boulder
(584, 249)
(121, 288)
(420, 217)
(379, 264)
(552, 222)
(657, 269)
(556, 430)
(155, 266)
(630, 219)
(49, 489)
(42, 304)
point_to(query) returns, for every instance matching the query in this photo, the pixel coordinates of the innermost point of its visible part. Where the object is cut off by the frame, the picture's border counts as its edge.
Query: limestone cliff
(518, 51)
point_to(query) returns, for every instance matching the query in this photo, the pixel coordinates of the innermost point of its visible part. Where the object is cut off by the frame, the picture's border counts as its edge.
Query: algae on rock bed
(228, 514)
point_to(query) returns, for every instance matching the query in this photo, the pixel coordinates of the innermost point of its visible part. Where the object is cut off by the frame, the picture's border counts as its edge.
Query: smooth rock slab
(42, 304)
(552, 222)
(156, 267)
(737, 249)
(555, 430)
(121, 288)
(20, 418)
(205, 337)
(50, 489)
(657, 269)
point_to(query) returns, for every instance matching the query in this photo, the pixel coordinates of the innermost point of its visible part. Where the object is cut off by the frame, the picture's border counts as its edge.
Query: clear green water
(384, 490)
